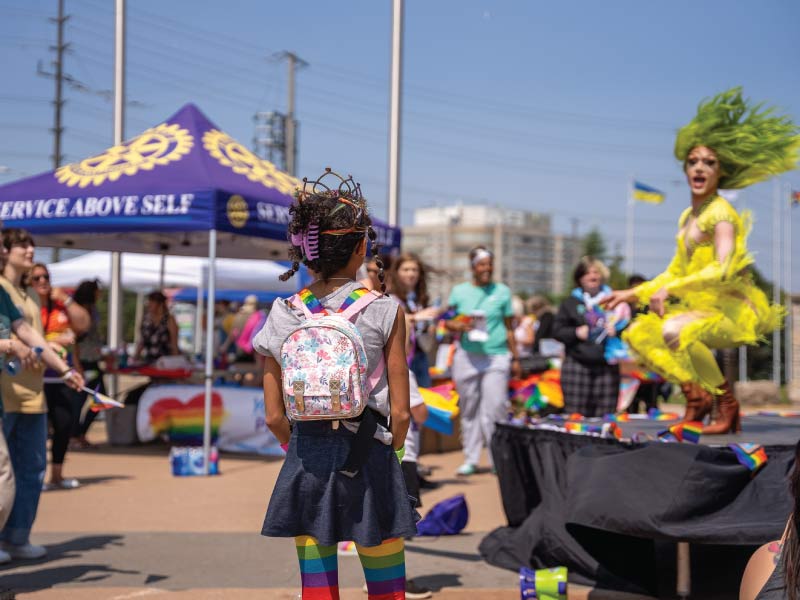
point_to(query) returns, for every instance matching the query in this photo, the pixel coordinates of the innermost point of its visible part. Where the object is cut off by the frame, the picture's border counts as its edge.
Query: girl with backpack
(330, 349)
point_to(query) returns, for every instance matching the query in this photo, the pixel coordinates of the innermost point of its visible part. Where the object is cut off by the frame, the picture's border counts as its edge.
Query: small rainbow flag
(442, 403)
(752, 456)
(101, 401)
(689, 431)
(795, 198)
(537, 391)
(657, 415)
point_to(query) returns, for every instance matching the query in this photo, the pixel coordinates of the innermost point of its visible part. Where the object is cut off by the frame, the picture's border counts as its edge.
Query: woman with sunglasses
(24, 408)
(62, 319)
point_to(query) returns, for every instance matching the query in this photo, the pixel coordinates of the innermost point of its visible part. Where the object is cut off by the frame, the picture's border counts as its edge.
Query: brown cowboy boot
(727, 419)
(698, 402)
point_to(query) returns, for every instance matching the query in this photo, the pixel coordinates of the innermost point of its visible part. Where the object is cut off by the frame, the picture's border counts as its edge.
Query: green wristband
(400, 453)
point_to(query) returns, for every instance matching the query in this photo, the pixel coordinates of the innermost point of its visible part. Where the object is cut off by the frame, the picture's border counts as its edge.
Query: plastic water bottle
(13, 366)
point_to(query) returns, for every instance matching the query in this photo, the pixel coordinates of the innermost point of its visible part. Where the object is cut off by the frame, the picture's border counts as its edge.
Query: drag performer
(706, 299)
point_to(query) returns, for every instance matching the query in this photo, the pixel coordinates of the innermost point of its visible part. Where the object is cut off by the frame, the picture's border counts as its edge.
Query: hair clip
(307, 241)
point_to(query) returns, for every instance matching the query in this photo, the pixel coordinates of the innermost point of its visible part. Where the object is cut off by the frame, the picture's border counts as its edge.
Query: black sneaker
(414, 591)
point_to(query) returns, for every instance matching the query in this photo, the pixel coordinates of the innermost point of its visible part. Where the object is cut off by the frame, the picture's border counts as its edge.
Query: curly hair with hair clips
(327, 224)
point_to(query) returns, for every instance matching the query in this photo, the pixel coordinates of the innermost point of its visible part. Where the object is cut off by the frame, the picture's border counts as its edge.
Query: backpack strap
(306, 301)
(357, 301)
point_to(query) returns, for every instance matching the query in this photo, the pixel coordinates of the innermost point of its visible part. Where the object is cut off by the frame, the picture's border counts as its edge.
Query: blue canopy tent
(182, 187)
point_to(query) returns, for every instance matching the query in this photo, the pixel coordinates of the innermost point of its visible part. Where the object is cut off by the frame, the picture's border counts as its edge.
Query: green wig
(751, 142)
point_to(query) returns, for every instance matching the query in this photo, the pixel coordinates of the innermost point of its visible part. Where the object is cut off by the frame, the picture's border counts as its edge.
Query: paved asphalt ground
(132, 530)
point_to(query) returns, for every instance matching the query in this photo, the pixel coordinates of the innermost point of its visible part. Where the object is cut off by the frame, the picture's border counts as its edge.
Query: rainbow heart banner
(182, 422)
(752, 456)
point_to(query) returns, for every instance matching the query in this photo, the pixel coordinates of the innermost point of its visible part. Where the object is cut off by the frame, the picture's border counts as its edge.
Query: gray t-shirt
(375, 323)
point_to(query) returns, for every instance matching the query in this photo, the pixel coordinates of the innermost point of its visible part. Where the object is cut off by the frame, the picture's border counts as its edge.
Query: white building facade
(529, 257)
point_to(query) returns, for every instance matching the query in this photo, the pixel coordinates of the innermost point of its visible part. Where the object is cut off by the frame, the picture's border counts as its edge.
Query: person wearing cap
(486, 356)
(159, 331)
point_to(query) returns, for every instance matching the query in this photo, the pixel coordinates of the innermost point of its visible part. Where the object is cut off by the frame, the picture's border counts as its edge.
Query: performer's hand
(617, 297)
(582, 332)
(657, 301)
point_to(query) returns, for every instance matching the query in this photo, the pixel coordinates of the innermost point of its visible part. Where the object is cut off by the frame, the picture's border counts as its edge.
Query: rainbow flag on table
(645, 193)
(538, 391)
(752, 456)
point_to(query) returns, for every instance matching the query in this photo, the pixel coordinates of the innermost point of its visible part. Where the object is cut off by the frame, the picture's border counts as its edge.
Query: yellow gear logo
(242, 161)
(159, 145)
(238, 212)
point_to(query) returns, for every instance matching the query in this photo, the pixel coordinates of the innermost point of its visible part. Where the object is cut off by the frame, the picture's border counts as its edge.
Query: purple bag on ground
(447, 517)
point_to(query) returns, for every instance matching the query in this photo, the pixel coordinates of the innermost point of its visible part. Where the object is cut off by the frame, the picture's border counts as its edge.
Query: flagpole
(776, 279)
(629, 229)
(787, 282)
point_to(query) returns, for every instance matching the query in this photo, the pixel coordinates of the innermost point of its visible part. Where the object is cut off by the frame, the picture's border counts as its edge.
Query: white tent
(143, 272)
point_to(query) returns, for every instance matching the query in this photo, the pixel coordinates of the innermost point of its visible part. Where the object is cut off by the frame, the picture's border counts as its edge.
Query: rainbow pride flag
(442, 403)
(689, 431)
(538, 391)
(752, 456)
(102, 402)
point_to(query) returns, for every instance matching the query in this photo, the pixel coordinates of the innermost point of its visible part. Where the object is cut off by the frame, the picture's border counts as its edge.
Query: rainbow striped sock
(384, 569)
(319, 569)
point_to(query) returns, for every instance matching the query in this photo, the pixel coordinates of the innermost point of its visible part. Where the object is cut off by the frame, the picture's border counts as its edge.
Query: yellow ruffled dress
(716, 304)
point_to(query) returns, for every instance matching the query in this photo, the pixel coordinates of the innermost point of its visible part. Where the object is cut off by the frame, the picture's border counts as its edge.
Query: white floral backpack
(324, 363)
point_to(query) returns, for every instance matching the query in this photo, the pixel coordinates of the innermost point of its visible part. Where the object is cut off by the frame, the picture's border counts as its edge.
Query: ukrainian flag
(645, 193)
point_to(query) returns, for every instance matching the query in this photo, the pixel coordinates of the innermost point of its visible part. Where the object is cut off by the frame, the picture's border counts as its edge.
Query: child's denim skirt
(312, 498)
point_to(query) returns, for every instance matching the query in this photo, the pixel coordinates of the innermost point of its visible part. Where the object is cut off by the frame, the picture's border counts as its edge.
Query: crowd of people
(351, 433)
(27, 353)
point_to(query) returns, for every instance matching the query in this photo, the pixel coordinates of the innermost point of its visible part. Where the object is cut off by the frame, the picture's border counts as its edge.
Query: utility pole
(58, 102)
(290, 152)
(395, 111)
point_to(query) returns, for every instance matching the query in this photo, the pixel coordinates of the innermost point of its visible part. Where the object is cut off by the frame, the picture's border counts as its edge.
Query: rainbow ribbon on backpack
(314, 306)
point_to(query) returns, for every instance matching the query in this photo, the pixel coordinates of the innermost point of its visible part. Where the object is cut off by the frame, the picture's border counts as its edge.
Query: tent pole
(114, 313)
(115, 291)
(139, 316)
(209, 374)
(198, 322)
(162, 272)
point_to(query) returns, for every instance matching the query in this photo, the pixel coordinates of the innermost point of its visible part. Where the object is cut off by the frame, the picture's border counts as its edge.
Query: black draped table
(611, 511)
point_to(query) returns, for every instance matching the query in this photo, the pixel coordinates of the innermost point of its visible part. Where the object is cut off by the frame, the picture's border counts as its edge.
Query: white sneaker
(5, 557)
(26, 551)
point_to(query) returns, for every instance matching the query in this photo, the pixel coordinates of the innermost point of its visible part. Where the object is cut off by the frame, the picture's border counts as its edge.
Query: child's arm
(273, 401)
(397, 375)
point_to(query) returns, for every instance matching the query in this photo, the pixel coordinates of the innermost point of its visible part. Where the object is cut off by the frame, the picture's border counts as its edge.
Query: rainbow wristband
(285, 447)
(400, 453)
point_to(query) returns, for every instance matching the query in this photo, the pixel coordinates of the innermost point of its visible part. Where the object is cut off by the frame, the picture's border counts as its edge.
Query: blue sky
(543, 106)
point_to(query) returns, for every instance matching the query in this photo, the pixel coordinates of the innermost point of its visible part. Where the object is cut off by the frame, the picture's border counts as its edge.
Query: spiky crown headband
(751, 142)
(348, 193)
